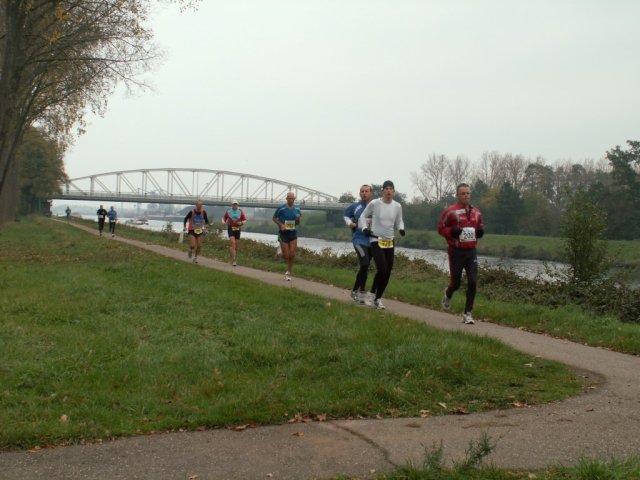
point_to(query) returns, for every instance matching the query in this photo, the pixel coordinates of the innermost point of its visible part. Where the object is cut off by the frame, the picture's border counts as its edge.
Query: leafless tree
(458, 171)
(431, 181)
(514, 169)
(491, 169)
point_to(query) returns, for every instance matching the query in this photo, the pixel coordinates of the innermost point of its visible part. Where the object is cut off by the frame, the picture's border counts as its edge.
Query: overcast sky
(330, 94)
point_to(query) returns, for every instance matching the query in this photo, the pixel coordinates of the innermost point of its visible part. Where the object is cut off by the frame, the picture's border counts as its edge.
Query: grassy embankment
(420, 284)
(101, 339)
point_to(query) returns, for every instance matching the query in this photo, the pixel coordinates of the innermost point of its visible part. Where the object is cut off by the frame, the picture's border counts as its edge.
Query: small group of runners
(195, 225)
(103, 216)
(287, 217)
(374, 223)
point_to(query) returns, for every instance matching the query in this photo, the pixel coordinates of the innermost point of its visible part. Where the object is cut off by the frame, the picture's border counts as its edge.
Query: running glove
(479, 233)
(455, 232)
(402, 232)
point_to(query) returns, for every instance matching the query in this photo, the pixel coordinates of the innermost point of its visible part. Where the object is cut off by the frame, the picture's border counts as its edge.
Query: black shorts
(194, 234)
(287, 236)
(234, 232)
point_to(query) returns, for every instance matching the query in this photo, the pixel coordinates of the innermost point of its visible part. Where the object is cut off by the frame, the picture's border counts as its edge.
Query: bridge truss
(186, 185)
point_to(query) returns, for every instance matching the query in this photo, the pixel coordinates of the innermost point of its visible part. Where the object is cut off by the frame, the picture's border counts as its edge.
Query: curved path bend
(603, 423)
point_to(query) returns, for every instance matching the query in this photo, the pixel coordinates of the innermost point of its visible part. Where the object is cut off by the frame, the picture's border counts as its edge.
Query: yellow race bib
(385, 243)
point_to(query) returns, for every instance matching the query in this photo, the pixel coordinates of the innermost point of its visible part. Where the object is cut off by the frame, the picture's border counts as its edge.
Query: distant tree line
(529, 197)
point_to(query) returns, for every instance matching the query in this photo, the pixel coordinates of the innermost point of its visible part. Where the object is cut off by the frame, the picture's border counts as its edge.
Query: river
(438, 258)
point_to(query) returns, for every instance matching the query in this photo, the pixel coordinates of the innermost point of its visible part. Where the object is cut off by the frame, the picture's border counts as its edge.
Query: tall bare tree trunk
(10, 51)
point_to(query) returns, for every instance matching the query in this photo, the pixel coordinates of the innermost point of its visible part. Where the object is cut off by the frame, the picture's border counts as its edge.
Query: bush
(583, 225)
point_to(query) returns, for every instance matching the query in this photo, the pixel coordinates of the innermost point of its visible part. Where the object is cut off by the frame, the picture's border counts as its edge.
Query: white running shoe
(354, 296)
(377, 304)
(368, 299)
(234, 264)
(467, 319)
(446, 301)
(195, 259)
(287, 276)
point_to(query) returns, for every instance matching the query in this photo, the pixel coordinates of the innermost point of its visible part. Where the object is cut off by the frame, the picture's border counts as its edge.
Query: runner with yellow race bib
(287, 217)
(195, 223)
(385, 217)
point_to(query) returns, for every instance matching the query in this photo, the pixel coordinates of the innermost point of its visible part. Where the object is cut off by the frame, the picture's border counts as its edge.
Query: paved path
(603, 423)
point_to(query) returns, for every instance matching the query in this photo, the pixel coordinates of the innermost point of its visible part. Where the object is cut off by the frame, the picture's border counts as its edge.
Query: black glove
(366, 232)
(455, 232)
(402, 232)
(480, 233)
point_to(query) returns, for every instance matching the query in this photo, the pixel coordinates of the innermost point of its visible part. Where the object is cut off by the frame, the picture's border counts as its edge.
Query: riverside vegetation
(101, 340)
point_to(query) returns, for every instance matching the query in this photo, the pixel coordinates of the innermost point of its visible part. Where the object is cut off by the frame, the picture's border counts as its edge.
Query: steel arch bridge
(186, 185)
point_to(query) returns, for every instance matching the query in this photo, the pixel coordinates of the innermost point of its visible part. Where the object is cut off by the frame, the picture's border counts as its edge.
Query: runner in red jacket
(461, 224)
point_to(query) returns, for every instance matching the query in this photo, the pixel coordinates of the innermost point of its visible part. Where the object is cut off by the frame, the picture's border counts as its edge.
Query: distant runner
(461, 224)
(386, 217)
(68, 212)
(113, 218)
(287, 217)
(195, 223)
(102, 215)
(361, 242)
(234, 218)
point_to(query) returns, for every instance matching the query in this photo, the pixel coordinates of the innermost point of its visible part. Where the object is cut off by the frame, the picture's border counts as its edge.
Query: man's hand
(402, 232)
(480, 233)
(455, 232)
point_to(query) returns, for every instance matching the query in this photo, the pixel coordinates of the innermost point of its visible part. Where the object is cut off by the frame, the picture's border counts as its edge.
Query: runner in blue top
(113, 216)
(287, 216)
(360, 241)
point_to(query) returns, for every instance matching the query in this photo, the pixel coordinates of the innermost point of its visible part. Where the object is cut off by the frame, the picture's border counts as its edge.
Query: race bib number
(289, 224)
(468, 234)
(197, 231)
(385, 243)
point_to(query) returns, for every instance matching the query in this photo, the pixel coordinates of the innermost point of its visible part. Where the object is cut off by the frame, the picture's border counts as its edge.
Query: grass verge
(101, 339)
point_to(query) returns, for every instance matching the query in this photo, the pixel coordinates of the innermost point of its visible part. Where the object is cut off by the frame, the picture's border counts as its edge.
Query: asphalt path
(603, 423)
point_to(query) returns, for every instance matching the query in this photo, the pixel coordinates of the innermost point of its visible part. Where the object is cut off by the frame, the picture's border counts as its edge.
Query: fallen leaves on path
(240, 428)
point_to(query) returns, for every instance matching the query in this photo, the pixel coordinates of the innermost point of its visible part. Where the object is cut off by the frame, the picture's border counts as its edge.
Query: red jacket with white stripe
(468, 219)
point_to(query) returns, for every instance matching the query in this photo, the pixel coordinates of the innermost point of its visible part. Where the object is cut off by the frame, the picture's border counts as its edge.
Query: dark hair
(388, 183)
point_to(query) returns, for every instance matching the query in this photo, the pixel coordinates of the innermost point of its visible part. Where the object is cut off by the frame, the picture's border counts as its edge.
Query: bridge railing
(106, 197)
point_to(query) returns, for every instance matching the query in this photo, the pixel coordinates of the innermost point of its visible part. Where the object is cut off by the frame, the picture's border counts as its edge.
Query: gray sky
(330, 94)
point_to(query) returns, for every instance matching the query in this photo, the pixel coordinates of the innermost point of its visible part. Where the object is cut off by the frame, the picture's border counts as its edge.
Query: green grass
(101, 339)
(418, 283)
